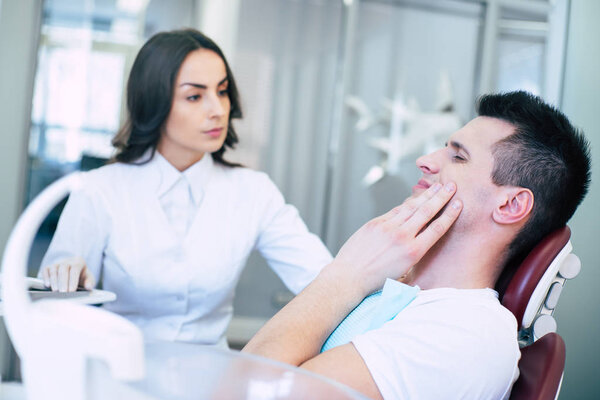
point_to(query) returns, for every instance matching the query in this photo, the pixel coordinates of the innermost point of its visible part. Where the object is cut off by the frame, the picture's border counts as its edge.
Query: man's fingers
(401, 213)
(427, 210)
(439, 226)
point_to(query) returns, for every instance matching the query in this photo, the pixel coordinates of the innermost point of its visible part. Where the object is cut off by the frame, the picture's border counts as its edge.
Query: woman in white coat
(170, 224)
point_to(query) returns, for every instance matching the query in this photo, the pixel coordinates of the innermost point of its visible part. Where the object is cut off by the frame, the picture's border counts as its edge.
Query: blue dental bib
(375, 310)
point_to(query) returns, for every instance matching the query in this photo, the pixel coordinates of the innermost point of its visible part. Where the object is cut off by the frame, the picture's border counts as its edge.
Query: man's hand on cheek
(389, 245)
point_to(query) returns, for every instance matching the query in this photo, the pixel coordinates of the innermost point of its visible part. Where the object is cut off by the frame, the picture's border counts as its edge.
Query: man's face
(467, 160)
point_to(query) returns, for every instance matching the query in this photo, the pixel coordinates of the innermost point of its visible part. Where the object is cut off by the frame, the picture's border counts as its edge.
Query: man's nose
(428, 164)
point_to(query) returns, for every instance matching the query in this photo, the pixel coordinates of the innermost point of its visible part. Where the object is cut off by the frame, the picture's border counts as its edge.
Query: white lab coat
(180, 286)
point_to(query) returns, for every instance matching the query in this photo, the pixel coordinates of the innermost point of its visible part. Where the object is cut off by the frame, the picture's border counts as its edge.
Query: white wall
(578, 313)
(19, 31)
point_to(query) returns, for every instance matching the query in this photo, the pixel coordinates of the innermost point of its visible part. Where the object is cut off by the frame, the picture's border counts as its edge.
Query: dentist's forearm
(297, 332)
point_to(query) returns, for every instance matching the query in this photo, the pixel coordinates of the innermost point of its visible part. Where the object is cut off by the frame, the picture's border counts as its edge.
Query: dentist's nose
(216, 108)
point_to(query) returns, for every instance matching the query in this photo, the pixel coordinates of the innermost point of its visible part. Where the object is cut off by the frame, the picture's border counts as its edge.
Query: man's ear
(516, 206)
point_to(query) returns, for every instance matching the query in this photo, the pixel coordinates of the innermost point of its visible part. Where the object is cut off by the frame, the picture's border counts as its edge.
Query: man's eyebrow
(201, 86)
(459, 146)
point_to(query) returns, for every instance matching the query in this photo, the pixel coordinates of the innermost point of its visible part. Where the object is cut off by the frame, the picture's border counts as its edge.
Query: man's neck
(465, 262)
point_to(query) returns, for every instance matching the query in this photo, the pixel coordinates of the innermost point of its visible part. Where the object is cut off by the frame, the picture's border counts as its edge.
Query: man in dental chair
(407, 308)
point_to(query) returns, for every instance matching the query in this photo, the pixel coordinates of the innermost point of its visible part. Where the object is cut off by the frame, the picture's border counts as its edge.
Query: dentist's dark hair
(547, 155)
(150, 90)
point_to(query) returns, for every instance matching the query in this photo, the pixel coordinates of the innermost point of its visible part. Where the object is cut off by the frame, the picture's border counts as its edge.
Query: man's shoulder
(458, 308)
(455, 300)
(466, 342)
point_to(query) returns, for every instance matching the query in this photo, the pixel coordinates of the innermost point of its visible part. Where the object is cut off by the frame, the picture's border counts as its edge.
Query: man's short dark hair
(545, 154)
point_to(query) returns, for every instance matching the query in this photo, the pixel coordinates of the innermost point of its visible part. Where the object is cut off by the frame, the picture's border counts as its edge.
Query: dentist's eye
(194, 98)
(459, 158)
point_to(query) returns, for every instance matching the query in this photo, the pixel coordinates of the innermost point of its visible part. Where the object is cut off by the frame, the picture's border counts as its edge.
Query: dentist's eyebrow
(459, 147)
(201, 86)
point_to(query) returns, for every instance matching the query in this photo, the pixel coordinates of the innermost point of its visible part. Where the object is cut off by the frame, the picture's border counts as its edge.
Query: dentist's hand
(67, 275)
(390, 245)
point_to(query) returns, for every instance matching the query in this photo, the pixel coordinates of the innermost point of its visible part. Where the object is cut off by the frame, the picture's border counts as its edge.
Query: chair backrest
(541, 369)
(531, 292)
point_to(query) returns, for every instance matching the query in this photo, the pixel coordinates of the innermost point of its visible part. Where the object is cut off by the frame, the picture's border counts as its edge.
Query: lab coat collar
(196, 176)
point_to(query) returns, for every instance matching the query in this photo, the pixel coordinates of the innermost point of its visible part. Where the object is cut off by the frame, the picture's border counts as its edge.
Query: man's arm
(385, 247)
(354, 372)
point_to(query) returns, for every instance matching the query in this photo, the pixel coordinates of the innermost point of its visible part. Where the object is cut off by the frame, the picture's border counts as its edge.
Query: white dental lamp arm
(54, 338)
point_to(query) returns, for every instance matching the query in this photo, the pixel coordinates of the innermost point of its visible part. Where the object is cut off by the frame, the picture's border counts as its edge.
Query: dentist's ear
(516, 206)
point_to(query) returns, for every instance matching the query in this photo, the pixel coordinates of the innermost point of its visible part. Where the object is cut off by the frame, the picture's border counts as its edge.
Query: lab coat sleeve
(295, 254)
(82, 230)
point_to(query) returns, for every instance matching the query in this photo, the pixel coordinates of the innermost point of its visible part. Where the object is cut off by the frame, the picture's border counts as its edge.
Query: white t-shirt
(175, 279)
(446, 344)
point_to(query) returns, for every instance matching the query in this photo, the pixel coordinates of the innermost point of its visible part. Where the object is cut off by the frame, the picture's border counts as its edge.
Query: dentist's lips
(421, 185)
(214, 133)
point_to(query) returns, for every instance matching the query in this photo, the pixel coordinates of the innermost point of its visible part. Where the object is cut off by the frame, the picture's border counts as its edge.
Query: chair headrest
(530, 272)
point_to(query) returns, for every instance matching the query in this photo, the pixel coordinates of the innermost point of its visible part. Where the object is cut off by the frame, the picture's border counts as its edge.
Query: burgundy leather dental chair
(531, 294)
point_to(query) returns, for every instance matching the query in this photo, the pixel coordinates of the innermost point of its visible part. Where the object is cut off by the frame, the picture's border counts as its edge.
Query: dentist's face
(198, 120)
(467, 160)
